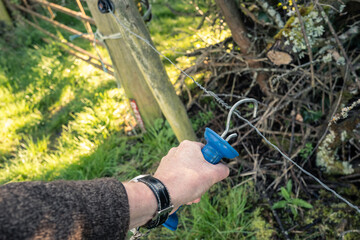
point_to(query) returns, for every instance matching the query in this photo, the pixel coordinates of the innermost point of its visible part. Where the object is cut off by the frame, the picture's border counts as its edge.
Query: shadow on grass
(119, 156)
(53, 121)
(112, 158)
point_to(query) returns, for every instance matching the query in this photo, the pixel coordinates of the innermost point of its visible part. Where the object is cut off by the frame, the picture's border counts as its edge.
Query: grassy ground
(63, 119)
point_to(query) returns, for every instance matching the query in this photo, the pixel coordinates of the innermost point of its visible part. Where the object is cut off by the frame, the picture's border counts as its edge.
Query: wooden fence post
(138, 64)
(4, 15)
(125, 68)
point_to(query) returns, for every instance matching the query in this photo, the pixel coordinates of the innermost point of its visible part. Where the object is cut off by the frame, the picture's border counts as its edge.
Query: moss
(351, 235)
(333, 149)
(351, 191)
(287, 27)
(334, 219)
(289, 24)
(263, 230)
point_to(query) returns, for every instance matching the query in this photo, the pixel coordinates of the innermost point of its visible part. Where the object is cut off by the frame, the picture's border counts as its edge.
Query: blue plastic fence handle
(215, 149)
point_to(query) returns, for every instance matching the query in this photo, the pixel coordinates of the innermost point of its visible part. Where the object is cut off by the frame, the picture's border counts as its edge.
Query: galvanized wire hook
(231, 112)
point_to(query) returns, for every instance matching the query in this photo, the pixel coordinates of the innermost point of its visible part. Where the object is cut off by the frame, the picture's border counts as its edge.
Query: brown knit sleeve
(95, 209)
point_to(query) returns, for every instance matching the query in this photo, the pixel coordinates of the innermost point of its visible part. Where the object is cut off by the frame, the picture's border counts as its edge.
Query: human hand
(187, 175)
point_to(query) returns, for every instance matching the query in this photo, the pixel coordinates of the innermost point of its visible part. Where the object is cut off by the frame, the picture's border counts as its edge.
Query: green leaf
(294, 211)
(285, 194)
(279, 204)
(301, 203)
(310, 115)
(289, 186)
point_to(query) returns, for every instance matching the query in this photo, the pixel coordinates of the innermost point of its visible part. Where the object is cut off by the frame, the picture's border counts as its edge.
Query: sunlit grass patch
(222, 217)
(88, 129)
(174, 36)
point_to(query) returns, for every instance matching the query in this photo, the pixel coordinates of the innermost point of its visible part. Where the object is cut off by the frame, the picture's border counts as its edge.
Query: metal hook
(231, 112)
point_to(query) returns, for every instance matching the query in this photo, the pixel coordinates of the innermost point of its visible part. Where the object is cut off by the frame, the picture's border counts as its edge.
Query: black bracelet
(162, 197)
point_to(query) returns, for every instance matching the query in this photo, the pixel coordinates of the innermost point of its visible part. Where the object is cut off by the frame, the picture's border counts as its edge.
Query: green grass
(222, 216)
(223, 213)
(175, 35)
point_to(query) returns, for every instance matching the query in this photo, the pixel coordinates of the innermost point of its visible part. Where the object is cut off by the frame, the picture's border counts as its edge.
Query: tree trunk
(232, 17)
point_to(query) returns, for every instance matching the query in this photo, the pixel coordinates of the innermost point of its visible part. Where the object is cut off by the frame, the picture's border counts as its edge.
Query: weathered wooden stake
(139, 68)
(4, 15)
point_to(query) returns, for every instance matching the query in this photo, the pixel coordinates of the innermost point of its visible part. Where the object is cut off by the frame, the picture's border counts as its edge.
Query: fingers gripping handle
(215, 149)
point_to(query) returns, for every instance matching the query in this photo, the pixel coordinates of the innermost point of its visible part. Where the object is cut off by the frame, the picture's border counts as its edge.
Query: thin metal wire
(98, 52)
(102, 38)
(225, 105)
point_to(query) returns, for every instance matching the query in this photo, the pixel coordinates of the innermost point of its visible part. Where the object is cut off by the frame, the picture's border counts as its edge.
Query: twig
(253, 17)
(249, 69)
(282, 133)
(351, 32)
(327, 127)
(204, 15)
(332, 30)
(276, 17)
(294, 69)
(293, 115)
(306, 38)
(278, 220)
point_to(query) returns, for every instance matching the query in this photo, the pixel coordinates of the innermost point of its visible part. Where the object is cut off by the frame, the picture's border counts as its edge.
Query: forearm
(96, 209)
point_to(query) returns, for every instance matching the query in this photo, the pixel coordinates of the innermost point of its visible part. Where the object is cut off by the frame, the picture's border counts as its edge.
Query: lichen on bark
(331, 156)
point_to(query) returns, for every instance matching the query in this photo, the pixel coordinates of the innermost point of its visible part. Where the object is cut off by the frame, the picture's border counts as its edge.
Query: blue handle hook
(216, 149)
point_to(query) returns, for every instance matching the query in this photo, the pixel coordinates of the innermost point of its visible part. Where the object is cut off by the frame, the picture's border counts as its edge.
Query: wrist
(163, 199)
(142, 203)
